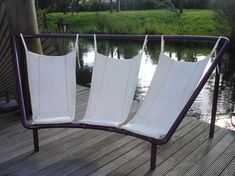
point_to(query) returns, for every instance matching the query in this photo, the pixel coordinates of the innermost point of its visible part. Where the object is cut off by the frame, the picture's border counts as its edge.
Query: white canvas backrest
(52, 86)
(171, 87)
(112, 89)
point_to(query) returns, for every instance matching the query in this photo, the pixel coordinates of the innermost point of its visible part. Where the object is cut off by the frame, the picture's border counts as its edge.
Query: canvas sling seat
(112, 89)
(171, 87)
(52, 86)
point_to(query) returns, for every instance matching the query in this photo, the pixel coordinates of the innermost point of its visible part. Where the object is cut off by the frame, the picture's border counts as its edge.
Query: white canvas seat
(52, 86)
(112, 89)
(171, 87)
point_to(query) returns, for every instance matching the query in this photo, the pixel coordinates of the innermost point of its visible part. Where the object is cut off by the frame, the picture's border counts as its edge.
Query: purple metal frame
(154, 142)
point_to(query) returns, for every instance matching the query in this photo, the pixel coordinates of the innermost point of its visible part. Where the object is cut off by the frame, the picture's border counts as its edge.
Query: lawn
(191, 22)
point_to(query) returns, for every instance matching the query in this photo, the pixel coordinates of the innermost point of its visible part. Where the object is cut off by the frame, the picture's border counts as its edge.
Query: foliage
(225, 16)
(198, 22)
(192, 4)
(99, 5)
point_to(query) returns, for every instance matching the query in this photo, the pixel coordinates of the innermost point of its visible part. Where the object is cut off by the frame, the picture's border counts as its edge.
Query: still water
(187, 51)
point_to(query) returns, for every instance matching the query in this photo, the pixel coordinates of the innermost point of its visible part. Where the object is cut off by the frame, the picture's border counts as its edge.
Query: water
(188, 51)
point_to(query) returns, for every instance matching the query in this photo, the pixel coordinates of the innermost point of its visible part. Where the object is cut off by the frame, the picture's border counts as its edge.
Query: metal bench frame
(154, 142)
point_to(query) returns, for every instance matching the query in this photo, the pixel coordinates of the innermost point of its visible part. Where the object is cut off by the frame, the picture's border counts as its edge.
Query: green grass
(191, 22)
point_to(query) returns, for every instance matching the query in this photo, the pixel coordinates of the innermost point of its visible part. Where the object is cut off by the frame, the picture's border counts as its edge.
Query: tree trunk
(23, 19)
(118, 6)
(111, 6)
(181, 6)
(64, 7)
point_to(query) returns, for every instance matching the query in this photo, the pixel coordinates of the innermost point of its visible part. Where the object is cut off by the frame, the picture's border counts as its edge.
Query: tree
(118, 5)
(111, 5)
(181, 6)
(23, 19)
(225, 13)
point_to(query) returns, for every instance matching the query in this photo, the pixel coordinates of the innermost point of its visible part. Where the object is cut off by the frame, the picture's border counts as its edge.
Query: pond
(187, 51)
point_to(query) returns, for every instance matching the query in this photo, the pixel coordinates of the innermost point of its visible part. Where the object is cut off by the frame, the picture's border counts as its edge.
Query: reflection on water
(189, 52)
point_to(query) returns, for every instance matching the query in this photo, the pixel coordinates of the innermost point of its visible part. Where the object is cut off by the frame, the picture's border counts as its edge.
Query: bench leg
(214, 103)
(35, 140)
(153, 156)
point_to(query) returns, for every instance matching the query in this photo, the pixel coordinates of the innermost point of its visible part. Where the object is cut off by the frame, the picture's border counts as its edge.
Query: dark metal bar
(125, 37)
(35, 140)
(214, 103)
(24, 120)
(153, 156)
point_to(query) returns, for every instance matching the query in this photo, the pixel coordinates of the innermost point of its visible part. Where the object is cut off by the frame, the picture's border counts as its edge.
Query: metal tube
(153, 156)
(35, 140)
(126, 37)
(214, 103)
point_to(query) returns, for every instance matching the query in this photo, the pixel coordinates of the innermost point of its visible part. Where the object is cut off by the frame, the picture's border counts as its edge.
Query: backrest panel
(172, 85)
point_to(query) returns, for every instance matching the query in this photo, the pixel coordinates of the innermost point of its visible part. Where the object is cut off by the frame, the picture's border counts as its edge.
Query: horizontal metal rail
(128, 37)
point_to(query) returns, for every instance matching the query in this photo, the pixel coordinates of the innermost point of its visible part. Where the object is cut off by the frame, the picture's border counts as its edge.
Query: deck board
(230, 169)
(92, 152)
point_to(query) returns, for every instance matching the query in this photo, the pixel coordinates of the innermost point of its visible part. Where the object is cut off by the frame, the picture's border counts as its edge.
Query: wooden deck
(81, 152)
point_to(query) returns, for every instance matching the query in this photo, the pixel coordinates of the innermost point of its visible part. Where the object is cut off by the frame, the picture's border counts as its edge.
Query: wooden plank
(4, 36)
(3, 53)
(224, 159)
(144, 157)
(5, 39)
(108, 165)
(171, 150)
(230, 169)
(20, 147)
(92, 166)
(20, 160)
(34, 164)
(37, 161)
(70, 164)
(83, 152)
(7, 62)
(48, 47)
(164, 152)
(182, 167)
(4, 61)
(211, 156)
(6, 75)
(79, 160)
(127, 157)
(181, 154)
(4, 45)
(8, 87)
(4, 25)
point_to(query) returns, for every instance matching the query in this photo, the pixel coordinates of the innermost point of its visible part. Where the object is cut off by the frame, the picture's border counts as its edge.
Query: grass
(191, 22)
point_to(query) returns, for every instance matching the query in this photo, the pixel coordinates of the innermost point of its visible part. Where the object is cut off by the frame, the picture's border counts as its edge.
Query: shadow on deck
(91, 152)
